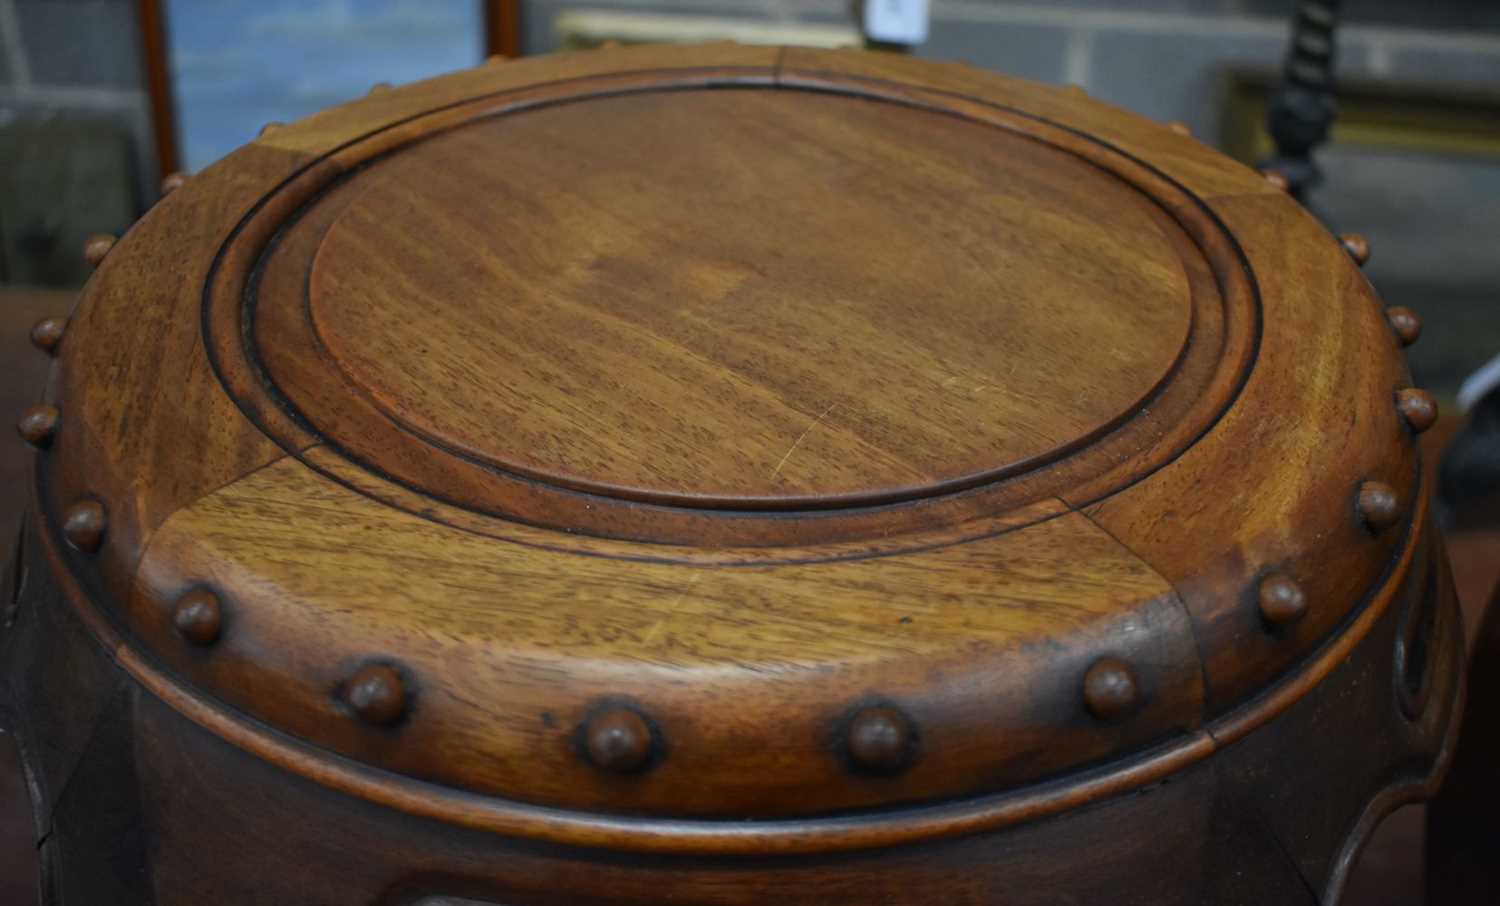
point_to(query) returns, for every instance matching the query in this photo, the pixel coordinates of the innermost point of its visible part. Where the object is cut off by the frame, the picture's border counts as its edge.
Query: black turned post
(1302, 108)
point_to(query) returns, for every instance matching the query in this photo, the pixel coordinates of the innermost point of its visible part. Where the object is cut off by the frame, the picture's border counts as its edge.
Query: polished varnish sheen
(725, 475)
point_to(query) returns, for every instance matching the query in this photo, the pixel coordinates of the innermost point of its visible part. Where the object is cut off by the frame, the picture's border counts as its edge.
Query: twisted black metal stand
(1302, 108)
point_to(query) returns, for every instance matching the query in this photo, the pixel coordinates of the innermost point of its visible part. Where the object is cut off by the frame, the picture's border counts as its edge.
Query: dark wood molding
(158, 72)
(502, 27)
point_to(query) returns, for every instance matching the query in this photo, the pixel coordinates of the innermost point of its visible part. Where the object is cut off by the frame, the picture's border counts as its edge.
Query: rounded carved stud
(270, 127)
(1277, 180)
(881, 740)
(199, 617)
(172, 182)
(379, 87)
(618, 739)
(1418, 408)
(83, 525)
(1405, 323)
(47, 333)
(1282, 601)
(1110, 689)
(377, 694)
(1180, 127)
(96, 247)
(1379, 507)
(38, 424)
(494, 59)
(1357, 246)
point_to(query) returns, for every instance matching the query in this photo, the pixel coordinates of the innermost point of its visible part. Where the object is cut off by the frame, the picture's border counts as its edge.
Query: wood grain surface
(1280, 474)
(609, 449)
(819, 324)
(748, 672)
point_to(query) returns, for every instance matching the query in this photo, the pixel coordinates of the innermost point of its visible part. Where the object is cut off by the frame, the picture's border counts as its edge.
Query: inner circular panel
(747, 295)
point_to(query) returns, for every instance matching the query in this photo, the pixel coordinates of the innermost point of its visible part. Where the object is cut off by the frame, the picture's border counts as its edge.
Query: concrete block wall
(1428, 218)
(77, 58)
(1165, 59)
(1162, 58)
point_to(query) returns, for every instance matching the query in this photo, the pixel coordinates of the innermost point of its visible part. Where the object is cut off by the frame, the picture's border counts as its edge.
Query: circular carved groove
(930, 346)
(774, 434)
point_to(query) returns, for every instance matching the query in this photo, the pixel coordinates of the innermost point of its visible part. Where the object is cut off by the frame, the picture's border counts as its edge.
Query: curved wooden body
(138, 804)
(726, 475)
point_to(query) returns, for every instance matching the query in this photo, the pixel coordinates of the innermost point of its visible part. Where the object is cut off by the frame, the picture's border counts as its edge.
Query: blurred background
(100, 99)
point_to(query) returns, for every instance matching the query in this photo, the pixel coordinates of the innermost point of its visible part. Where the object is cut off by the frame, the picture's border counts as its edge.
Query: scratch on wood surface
(671, 608)
(793, 448)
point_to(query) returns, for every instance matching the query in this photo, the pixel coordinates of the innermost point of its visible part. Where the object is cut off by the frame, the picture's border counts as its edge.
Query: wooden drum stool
(726, 475)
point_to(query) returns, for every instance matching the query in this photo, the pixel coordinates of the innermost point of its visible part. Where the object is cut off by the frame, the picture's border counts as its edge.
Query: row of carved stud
(878, 739)
(1281, 599)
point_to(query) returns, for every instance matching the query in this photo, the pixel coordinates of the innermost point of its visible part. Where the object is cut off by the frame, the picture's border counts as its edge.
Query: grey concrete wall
(73, 59)
(1165, 59)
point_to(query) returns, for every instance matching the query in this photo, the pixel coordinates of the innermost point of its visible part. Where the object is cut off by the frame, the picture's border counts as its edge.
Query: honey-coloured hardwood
(837, 339)
(728, 475)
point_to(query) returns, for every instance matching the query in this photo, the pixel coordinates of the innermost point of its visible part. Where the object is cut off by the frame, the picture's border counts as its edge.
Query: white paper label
(896, 21)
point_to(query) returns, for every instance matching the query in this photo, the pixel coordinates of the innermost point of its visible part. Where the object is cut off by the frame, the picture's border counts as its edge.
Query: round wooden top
(747, 297)
(615, 446)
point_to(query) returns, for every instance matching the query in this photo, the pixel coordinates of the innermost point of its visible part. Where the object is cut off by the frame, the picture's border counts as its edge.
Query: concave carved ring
(304, 360)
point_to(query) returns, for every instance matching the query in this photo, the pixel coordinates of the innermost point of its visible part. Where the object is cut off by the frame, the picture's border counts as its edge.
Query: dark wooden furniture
(726, 475)
(21, 383)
